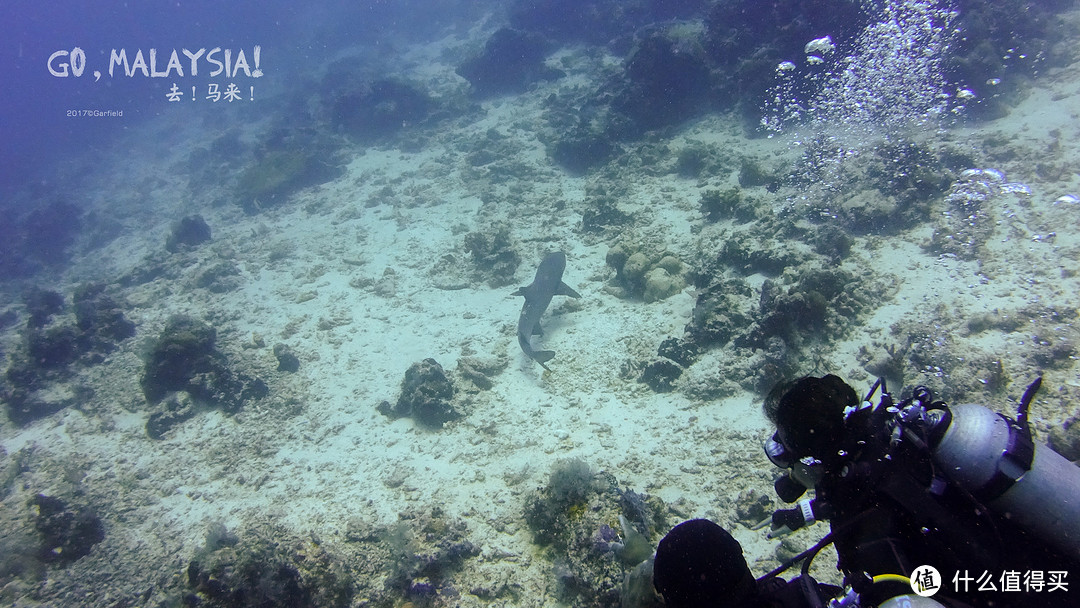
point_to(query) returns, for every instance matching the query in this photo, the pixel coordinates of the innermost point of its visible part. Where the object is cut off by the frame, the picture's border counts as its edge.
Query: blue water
(37, 118)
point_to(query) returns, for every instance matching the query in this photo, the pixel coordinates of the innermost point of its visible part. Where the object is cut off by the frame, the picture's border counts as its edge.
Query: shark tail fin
(543, 356)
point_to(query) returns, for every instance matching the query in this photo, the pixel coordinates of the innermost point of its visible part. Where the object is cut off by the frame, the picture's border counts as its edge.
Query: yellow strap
(896, 578)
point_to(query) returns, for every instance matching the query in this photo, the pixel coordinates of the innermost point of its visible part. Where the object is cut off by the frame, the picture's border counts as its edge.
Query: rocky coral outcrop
(596, 530)
(426, 396)
(640, 273)
(510, 61)
(184, 358)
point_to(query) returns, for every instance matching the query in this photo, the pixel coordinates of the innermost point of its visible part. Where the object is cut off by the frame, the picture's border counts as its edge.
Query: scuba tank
(995, 459)
(990, 459)
(911, 601)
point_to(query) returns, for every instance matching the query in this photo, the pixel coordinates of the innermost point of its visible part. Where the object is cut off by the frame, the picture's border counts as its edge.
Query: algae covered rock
(426, 396)
(602, 213)
(42, 304)
(185, 358)
(661, 374)
(494, 255)
(220, 277)
(820, 300)
(412, 561)
(511, 60)
(172, 411)
(39, 374)
(54, 347)
(667, 77)
(185, 347)
(718, 205)
(67, 532)
(100, 318)
(286, 358)
(188, 233)
(266, 568)
(597, 532)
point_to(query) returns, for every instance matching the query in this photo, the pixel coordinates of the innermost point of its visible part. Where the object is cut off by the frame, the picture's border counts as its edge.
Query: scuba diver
(903, 485)
(698, 564)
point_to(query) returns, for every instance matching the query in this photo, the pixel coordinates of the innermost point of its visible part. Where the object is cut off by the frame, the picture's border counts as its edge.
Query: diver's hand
(786, 521)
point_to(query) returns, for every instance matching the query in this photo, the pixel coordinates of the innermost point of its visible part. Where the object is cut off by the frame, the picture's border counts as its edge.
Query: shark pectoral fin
(520, 292)
(565, 290)
(543, 356)
(537, 330)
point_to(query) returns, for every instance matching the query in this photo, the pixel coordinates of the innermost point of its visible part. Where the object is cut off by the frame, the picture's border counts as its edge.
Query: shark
(546, 284)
